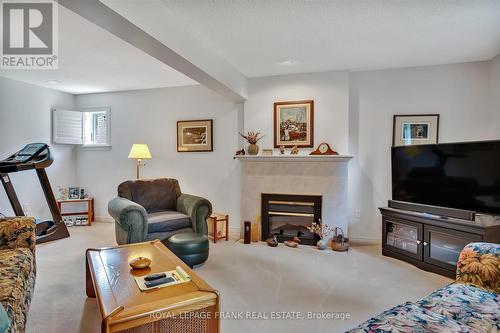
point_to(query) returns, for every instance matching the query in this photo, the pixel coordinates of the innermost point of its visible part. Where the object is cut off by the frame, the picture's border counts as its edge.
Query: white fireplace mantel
(291, 158)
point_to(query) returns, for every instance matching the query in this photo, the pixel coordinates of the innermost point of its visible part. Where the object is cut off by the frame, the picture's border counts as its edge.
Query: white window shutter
(67, 127)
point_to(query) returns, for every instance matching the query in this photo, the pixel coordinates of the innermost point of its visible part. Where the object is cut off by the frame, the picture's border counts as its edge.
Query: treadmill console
(32, 156)
(30, 151)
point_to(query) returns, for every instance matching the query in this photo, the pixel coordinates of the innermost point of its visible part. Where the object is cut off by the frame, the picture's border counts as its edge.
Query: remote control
(154, 283)
(155, 276)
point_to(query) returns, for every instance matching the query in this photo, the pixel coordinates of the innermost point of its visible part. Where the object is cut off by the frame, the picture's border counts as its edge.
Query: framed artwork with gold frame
(195, 135)
(294, 124)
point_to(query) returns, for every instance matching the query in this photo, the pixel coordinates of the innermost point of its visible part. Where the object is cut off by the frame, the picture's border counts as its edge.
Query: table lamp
(140, 152)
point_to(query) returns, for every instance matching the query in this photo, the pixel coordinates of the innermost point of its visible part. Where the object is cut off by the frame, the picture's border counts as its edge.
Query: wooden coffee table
(186, 308)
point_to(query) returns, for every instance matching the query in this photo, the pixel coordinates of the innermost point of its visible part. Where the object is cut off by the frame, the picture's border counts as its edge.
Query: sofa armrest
(17, 232)
(198, 208)
(131, 217)
(479, 264)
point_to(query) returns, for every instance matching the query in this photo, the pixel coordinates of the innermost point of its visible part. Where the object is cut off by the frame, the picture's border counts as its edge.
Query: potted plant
(252, 138)
(322, 230)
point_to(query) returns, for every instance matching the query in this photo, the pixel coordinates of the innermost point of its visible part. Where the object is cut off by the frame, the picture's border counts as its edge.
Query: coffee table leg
(104, 327)
(89, 286)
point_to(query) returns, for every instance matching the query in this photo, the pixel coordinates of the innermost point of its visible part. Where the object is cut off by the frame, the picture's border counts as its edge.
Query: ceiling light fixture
(53, 82)
(287, 62)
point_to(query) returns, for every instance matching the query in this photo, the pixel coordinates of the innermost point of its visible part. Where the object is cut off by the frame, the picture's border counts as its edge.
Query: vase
(253, 149)
(322, 244)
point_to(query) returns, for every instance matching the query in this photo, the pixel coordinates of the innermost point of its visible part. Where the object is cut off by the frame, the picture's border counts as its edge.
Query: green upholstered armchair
(156, 209)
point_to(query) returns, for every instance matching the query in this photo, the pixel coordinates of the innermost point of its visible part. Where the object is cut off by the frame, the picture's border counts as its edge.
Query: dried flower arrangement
(63, 193)
(252, 137)
(320, 229)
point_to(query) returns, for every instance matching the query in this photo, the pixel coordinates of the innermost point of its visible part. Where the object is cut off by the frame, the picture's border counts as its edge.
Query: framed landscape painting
(415, 129)
(195, 135)
(294, 124)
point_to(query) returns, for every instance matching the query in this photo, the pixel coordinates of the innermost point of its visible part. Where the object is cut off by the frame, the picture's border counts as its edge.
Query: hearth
(289, 215)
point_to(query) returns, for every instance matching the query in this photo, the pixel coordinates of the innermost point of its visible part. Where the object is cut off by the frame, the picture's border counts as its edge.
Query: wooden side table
(90, 208)
(215, 232)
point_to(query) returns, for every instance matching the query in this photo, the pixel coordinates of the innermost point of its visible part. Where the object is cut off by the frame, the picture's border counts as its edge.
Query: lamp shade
(139, 151)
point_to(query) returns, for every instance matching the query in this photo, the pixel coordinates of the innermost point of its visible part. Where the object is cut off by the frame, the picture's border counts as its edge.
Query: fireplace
(288, 215)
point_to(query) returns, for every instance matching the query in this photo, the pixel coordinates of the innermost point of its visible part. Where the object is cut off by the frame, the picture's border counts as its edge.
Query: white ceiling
(254, 35)
(93, 60)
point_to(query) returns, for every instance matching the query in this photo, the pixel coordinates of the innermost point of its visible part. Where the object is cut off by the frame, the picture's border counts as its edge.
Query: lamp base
(138, 168)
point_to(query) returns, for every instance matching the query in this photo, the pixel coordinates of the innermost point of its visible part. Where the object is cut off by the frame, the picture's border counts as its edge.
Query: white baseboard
(106, 219)
(235, 233)
(364, 241)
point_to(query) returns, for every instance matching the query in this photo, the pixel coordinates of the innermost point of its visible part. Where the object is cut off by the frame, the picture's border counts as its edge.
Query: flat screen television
(453, 175)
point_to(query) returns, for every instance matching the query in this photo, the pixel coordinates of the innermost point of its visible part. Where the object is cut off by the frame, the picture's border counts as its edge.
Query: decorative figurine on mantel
(240, 152)
(324, 149)
(294, 151)
(252, 138)
(282, 150)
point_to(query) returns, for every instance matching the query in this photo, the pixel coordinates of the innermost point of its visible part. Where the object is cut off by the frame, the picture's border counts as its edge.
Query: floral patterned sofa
(471, 304)
(17, 271)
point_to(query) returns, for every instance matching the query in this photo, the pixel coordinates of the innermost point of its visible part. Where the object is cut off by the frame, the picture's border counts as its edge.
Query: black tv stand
(433, 242)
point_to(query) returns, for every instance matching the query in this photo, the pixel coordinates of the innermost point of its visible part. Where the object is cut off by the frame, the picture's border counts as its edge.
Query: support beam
(190, 58)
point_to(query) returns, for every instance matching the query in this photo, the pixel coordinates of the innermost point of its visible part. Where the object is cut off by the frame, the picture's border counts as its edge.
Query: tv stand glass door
(442, 246)
(403, 237)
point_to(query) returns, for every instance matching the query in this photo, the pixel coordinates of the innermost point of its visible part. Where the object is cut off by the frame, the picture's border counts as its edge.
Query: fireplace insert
(288, 215)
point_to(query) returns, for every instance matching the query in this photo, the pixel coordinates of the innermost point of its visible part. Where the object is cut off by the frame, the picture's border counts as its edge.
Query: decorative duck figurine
(272, 242)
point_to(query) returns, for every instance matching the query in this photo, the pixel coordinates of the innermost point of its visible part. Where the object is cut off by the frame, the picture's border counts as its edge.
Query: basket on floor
(340, 243)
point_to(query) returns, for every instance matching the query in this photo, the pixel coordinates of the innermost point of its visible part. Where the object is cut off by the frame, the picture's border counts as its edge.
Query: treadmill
(35, 156)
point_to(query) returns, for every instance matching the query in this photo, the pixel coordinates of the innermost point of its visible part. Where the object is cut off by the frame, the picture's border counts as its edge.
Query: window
(88, 127)
(95, 128)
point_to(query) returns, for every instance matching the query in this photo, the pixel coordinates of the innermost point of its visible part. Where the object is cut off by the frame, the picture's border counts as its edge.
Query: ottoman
(190, 247)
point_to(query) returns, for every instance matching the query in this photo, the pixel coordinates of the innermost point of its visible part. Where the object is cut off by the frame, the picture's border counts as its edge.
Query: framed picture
(294, 124)
(418, 129)
(195, 135)
(74, 193)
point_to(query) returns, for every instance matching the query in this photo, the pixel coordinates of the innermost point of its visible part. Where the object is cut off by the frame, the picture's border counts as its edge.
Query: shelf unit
(90, 208)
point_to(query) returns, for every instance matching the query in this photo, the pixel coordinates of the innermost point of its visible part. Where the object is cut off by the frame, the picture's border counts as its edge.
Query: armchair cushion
(469, 305)
(167, 221)
(17, 281)
(17, 232)
(155, 195)
(479, 264)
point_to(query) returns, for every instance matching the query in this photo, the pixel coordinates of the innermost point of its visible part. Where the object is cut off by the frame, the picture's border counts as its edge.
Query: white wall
(25, 117)
(329, 90)
(495, 86)
(353, 112)
(150, 116)
(459, 93)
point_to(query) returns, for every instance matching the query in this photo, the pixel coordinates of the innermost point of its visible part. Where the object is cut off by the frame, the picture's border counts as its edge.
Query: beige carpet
(251, 278)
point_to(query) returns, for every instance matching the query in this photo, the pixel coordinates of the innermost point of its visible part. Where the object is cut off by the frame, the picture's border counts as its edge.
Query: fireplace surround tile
(328, 179)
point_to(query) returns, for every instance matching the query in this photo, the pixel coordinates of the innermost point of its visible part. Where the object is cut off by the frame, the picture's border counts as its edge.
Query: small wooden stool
(215, 232)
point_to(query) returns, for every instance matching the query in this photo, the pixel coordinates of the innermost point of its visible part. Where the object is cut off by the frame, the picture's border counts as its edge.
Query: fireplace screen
(287, 216)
